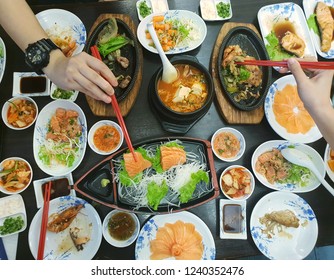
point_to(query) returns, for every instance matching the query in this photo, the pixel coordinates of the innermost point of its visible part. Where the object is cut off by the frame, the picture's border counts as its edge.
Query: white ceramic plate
(227, 235)
(59, 246)
(17, 76)
(302, 239)
(149, 230)
(2, 58)
(209, 10)
(269, 15)
(196, 38)
(41, 128)
(63, 23)
(311, 136)
(326, 158)
(309, 6)
(157, 6)
(38, 187)
(72, 98)
(281, 144)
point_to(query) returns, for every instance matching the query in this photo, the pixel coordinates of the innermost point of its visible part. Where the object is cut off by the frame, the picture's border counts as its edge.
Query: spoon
(169, 72)
(300, 158)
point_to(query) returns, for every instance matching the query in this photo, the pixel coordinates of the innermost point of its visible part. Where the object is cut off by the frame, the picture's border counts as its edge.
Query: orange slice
(290, 112)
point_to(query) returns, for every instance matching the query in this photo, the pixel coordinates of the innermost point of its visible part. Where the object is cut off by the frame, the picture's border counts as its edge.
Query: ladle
(300, 158)
(169, 72)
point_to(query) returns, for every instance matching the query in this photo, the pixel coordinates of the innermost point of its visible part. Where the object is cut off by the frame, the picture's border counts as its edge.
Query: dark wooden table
(142, 124)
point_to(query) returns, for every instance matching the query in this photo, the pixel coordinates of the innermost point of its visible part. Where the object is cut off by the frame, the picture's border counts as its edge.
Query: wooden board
(100, 108)
(229, 112)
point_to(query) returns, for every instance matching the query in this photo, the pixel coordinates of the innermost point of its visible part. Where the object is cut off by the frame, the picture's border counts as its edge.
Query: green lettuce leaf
(274, 48)
(156, 193)
(188, 189)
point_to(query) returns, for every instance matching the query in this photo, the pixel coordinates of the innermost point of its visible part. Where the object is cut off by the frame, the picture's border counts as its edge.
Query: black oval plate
(251, 43)
(128, 51)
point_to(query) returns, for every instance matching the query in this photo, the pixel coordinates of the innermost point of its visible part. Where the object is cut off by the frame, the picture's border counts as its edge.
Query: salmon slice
(179, 240)
(326, 25)
(135, 167)
(171, 156)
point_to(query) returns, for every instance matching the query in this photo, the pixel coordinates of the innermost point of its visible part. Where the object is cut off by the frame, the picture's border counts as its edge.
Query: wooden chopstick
(44, 223)
(114, 103)
(304, 64)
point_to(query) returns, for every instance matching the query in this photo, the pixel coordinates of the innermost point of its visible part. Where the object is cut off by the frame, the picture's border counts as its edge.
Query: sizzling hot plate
(251, 43)
(128, 51)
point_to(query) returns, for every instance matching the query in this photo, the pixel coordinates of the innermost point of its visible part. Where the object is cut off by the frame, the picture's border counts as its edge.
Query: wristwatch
(37, 55)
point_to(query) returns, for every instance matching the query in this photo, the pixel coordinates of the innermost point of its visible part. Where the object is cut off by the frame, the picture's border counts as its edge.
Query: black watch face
(36, 57)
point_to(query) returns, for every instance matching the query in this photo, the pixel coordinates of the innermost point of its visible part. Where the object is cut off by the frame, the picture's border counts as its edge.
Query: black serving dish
(251, 43)
(171, 120)
(116, 198)
(128, 51)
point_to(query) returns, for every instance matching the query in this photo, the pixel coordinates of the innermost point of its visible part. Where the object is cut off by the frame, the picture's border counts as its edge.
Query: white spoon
(169, 72)
(300, 158)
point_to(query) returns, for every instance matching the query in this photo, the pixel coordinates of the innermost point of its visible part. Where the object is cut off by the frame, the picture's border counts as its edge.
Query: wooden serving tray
(229, 112)
(100, 108)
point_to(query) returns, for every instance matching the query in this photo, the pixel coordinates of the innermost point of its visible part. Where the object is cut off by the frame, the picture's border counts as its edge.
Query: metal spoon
(300, 158)
(169, 72)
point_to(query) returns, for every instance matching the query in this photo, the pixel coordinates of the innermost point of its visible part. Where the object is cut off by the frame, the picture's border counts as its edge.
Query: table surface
(142, 124)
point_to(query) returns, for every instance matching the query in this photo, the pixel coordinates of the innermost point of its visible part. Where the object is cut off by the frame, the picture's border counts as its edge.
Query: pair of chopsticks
(304, 64)
(114, 103)
(44, 223)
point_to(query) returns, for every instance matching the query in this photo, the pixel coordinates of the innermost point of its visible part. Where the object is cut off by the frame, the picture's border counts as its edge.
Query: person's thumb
(296, 69)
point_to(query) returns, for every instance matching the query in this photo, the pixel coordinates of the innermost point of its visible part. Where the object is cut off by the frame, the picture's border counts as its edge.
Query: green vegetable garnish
(62, 94)
(11, 225)
(274, 48)
(244, 74)
(223, 9)
(156, 193)
(312, 24)
(188, 189)
(144, 10)
(104, 182)
(114, 44)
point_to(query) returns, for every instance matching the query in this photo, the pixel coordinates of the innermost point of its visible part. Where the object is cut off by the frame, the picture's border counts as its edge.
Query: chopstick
(44, 223)
(114, 103)
(304, 64)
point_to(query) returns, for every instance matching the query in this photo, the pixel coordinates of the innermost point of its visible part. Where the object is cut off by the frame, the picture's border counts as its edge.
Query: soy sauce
(35, 84)
(281, 28)
(232, 218)
(121, 226)
(59, 187)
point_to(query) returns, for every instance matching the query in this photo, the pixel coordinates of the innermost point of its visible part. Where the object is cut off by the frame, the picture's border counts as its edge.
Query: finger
(296, 69)
(104, 71)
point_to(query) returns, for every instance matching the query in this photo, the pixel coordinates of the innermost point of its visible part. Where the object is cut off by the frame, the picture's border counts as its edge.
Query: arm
(81, 72)
(315, 92)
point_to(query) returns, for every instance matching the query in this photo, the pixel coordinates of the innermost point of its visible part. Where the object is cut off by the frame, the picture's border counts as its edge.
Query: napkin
(3, 254)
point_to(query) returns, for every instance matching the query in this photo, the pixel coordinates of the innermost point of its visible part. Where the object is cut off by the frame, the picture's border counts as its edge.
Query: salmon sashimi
(290, 112)
(64, 125)
(60, 221)
(326, 25)
(179, 240)
(171, 156)
(134, 167)
(293, 44)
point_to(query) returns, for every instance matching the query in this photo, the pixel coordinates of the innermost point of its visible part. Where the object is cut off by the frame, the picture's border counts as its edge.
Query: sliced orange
(290, 112)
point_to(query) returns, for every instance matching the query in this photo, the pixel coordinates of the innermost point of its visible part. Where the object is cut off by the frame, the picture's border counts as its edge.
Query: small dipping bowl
(2, 188)
(93, 131)
(9, 104)
(227, 172)
(121, 219)
(237, 137)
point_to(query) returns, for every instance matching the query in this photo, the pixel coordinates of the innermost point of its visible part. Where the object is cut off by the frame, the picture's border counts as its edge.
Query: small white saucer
(17, 76)
(243, 232)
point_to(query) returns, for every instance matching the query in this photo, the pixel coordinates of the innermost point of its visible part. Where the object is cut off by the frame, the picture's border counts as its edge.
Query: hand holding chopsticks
(95, 53)
(304, 64)
(44, 223)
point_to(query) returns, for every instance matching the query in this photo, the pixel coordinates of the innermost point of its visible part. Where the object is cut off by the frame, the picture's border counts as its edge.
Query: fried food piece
(60, 221)
(78, 240)
(293, 44)
(326, 25)
(284, 217)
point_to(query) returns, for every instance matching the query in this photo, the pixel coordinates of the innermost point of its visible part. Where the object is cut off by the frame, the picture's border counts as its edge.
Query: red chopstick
(304, 64)
(44, 223)
(114, 103)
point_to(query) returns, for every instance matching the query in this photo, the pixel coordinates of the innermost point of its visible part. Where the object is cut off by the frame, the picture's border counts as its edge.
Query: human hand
(314, 88)
(81, 72)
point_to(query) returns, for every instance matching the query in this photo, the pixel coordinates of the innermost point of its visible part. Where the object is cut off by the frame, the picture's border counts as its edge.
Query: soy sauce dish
(245, 86)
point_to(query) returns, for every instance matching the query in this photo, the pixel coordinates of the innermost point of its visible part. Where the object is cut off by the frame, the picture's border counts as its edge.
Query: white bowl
(252, 183)
(240, 138)
(5, 108)
(93, 130)
(2, 189)
(73, 97)
(120, 243)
